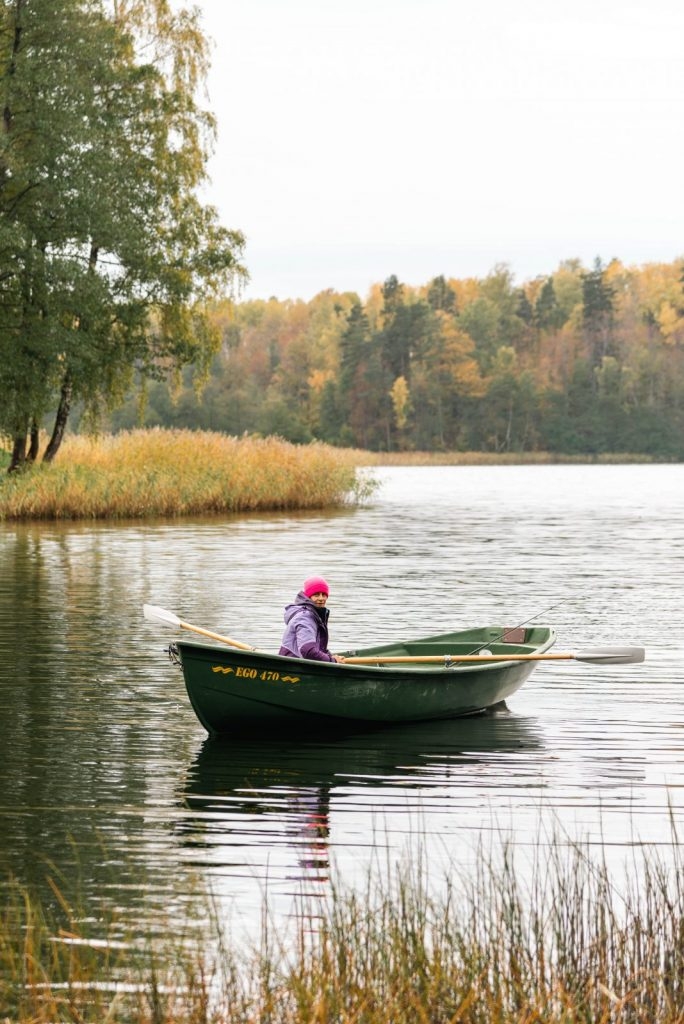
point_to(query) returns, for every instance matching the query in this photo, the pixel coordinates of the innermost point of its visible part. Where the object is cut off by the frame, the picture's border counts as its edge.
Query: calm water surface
(110, 783)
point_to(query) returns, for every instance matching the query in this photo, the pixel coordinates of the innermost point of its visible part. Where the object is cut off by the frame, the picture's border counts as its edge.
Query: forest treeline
(586, 360)
(116, 278)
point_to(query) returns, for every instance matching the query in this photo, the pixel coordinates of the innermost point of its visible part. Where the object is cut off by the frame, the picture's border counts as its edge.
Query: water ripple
(108, 775)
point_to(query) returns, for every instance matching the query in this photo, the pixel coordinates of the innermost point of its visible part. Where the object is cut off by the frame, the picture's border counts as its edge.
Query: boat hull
(233, 691)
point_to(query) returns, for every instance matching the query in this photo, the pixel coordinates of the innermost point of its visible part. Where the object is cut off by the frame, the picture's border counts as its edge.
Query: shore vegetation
(109, 255)
(161, 473)
(562, 942)
(437, 458)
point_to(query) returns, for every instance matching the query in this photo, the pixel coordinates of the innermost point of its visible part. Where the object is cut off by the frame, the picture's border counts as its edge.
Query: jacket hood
(300, 602)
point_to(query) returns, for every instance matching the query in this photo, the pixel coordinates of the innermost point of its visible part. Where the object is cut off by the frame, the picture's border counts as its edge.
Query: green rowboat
(234, 691)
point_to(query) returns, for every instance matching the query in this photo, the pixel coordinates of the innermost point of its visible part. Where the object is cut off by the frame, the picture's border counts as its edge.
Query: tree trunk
(18, 458)
(60, 420)
(35, 443)
(16, 46)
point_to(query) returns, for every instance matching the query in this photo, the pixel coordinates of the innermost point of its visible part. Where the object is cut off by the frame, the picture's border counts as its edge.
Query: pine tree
(598, 313)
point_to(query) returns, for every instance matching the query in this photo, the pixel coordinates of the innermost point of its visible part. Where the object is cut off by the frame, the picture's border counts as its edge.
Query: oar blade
(612, 655)
(156, 614)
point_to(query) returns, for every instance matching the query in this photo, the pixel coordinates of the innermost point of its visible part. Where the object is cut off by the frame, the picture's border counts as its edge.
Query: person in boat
(306, 623)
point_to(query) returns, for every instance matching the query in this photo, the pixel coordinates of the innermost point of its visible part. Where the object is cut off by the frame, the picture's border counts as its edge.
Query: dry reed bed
(147, 473)
(566, 948)
(495, 459)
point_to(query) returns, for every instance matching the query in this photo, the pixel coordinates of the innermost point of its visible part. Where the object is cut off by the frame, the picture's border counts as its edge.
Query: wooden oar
(155, 614)
(595, 655)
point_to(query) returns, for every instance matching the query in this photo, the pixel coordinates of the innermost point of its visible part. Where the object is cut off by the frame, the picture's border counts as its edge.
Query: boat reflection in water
(242, 797)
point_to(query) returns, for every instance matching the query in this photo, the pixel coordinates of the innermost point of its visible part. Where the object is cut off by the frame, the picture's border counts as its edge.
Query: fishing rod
(509, 629)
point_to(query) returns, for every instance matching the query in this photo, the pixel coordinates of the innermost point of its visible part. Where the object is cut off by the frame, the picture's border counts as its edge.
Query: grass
(148, 473)
(565, 948)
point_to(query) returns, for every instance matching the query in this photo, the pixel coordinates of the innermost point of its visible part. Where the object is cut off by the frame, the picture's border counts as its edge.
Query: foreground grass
(566, 948)
(180, 472)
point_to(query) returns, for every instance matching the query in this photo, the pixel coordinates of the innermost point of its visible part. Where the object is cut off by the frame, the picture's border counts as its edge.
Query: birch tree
(107, 254)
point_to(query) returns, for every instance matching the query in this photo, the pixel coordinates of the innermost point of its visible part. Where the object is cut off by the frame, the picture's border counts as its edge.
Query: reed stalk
(561, 941)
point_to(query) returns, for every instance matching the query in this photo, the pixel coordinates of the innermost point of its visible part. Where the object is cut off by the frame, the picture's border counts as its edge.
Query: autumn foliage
(583, 361)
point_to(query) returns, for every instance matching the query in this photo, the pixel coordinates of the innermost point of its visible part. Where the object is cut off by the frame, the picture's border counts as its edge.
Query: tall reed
(148, 473)
(559, 942)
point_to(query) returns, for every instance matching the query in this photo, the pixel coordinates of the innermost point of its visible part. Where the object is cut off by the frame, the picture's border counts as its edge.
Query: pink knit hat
(315, 585)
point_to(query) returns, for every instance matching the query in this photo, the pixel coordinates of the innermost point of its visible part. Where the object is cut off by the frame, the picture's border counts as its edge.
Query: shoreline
(158, 473)
(507, 459)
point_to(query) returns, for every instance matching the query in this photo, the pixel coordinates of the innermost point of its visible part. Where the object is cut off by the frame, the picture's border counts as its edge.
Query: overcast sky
(363, 138)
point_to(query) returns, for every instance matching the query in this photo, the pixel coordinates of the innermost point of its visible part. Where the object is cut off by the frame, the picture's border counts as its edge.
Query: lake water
(110, 785)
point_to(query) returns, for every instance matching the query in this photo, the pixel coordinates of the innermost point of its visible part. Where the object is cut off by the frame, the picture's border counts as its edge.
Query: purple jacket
(306, 630)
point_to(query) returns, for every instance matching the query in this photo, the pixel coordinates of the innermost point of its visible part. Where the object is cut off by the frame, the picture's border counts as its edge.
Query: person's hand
(338, 657)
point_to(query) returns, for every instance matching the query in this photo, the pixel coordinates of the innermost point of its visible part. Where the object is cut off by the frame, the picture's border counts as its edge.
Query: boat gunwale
(390, 650)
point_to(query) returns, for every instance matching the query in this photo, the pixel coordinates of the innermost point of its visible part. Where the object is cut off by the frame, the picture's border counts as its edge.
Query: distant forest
(585, 361)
